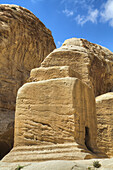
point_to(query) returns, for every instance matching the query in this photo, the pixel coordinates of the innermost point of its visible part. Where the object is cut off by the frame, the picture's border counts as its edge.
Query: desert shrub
(89, 168)
(96, 164)
(19, 167)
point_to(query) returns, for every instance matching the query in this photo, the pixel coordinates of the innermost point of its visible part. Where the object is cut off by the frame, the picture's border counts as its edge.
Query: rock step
(52, 146)
(70, 152)
(49, 151)
(33, 157)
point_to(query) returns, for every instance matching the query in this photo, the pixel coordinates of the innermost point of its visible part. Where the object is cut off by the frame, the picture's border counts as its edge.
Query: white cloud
(34, 1)
(86, 7)
(68, 12)
(107, 12)
(86, 11)
(92, 16)
(59, 44)
(76, 3)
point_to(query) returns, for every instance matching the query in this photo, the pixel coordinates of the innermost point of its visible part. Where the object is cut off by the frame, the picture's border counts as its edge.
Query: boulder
(104, 109)
(93, 62)
(24, 43)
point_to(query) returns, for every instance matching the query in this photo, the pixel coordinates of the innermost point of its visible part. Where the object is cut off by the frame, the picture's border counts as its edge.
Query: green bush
(19, 167)
(96, 164)
(89, 168)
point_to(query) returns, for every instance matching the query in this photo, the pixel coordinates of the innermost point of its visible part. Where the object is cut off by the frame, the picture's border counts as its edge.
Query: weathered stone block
(57, 111)
(104, 110)
(55, 119)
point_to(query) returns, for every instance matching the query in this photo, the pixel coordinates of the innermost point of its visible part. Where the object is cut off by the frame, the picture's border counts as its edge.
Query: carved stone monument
(55, 119)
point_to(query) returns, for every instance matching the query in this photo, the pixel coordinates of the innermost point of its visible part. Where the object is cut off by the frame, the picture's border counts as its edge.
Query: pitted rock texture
(104, 109)
(24, 43)
(92, 61)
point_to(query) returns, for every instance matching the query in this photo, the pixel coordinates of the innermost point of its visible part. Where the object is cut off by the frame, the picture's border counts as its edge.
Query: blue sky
(89, 19)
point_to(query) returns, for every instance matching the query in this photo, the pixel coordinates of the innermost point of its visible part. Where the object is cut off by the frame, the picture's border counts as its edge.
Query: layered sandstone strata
(55, 119)
(93, 62)
(104, 109)
(24, 43)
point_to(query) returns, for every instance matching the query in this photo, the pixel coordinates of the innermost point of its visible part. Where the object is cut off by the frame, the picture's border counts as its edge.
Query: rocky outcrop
(104, 109)
(24, 43)
(93, 62)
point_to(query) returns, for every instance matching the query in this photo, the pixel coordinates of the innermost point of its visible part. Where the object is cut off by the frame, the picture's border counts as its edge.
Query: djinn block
(55, 120)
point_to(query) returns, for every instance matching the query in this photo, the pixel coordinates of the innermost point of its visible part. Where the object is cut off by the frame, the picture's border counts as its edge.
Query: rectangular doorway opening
(87, 139)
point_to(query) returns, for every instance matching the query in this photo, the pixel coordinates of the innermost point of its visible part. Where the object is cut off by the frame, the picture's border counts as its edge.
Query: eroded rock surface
(24, 43)
(93, 62)
(104, 109)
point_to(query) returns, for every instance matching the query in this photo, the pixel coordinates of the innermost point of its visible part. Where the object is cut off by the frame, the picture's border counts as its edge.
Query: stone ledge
(69, 151)
(45, 73)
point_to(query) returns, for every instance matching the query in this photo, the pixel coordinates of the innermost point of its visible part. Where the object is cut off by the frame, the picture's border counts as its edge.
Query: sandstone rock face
(55, 119)
(93, 62)
(104, 109)
(24, 43)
